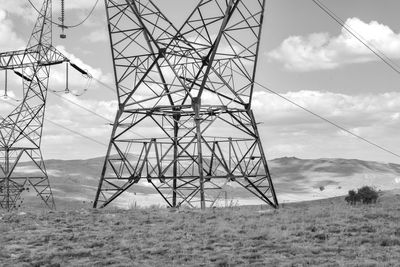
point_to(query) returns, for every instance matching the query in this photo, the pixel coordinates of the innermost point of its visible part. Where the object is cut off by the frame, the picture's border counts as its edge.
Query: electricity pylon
(192, 89)
(21, 161)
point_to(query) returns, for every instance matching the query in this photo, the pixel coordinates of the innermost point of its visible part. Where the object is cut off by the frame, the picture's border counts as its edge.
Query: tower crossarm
(30, 57)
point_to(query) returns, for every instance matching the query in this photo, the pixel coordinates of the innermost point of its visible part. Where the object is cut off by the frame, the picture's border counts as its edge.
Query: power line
(86, 18)
(347, 27)
(384, 58)
(286, 99)
(67, 26)
(77, 133)
(65, 128)
(82, 107)
(362, 40)
(104, 84)
(85, 108)
(92, 112)
(329, 121)
(321, 117)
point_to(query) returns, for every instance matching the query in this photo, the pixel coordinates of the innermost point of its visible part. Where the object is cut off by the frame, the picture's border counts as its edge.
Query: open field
(322, 233)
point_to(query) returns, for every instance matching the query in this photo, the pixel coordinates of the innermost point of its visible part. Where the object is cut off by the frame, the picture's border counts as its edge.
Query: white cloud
(6, 105)
(96, 36)
(57, 141)
(353, 110)
(21, 8)
(9, 40)
(77, 83)
(61, 143)
(95, 72)
(287, 130)
(322, 51)
(106, 109)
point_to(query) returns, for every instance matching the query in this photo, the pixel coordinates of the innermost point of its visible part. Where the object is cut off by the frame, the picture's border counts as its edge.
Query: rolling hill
(74, 182)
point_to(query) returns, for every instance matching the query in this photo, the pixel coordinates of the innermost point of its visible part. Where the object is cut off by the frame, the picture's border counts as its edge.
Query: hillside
(316, 233)
(74, 182)
(307, 179)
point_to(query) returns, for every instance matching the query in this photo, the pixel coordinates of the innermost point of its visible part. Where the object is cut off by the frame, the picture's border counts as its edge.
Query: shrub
(352, 197)
(366, 194)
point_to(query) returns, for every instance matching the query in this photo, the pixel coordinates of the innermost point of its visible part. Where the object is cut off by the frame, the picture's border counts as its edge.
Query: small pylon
(21, 161)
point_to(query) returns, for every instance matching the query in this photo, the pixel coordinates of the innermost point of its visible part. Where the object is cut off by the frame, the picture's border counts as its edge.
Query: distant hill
(74, 182)
(307, 179)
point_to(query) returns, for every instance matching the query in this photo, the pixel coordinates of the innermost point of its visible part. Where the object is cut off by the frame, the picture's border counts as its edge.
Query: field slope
(317, 233)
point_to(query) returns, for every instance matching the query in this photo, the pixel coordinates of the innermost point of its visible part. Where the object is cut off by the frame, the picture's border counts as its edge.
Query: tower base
(184, 161)
(20, 170)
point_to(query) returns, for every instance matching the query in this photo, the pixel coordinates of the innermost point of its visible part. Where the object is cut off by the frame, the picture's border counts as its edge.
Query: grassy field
(319, 233)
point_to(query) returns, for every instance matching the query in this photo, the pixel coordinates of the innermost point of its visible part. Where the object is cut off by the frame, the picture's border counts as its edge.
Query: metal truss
(188, 92)
(21, 161)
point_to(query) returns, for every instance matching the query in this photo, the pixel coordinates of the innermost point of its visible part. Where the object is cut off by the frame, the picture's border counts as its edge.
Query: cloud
(6, 105)
(95, 72)
(321, 51)
(104, 108)
(21, 8)
(58, 142)
(9, 40)
(362, 110)
(77, 83)
(96, 36)
(287, 130)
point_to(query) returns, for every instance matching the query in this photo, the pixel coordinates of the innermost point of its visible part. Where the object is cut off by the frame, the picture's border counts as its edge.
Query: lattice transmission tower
(188, 92)
(21, 161)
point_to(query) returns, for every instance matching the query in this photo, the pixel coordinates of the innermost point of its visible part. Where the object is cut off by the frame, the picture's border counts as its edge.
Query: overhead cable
(329, 121)
(361, 39)
(321, 117)
(65, 128)
(68, 26)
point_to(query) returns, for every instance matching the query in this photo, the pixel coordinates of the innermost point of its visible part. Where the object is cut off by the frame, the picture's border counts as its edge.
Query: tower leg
(197, 119)
(275, 202)
(175, 170)
(23, 169)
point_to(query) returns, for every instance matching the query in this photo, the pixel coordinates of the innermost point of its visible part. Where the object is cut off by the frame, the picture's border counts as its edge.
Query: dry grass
(323, 233)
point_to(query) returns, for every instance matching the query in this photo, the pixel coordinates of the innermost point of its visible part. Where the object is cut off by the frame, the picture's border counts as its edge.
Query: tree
(352, 197)
(366, 194)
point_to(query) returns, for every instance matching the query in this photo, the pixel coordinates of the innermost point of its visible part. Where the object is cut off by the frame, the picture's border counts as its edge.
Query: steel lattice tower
(21, 130)
(192, 89)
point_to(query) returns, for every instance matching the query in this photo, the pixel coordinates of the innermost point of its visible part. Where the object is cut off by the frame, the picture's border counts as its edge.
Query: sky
(304, 55)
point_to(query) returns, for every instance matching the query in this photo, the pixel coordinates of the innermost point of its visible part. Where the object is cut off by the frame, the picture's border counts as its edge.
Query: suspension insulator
(62, 35)
(84, 72)
(23, 76)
